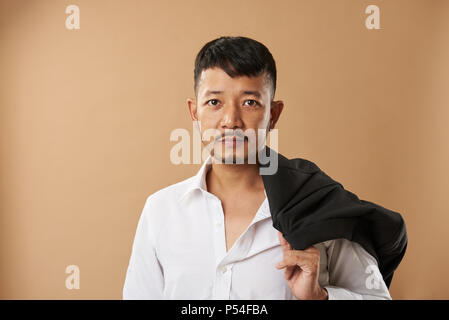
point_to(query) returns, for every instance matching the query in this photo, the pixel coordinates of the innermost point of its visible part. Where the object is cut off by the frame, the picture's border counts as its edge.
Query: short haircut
(237, 56)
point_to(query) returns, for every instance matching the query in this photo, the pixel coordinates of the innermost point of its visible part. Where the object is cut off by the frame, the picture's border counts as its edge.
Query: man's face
(227, 107)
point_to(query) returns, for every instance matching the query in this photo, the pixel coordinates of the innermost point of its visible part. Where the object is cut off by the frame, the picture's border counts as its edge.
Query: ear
(191, 104)
(275, 112)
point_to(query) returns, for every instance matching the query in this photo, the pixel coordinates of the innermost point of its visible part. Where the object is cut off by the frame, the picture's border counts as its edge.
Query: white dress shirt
(179, 252)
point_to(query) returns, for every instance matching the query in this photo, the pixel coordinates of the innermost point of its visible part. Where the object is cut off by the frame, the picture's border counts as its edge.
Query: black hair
(237, 56)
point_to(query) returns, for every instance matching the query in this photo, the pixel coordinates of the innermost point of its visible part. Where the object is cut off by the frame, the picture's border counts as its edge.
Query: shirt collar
(198, 182)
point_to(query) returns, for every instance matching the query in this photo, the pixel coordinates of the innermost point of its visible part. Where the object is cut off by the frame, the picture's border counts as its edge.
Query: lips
(231, 140)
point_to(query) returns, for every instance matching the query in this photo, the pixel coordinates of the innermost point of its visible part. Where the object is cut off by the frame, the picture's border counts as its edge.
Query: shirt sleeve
(144, 276)
(353, 273)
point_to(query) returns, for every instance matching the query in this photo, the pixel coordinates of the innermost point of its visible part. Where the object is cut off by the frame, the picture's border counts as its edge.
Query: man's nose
(231, 117)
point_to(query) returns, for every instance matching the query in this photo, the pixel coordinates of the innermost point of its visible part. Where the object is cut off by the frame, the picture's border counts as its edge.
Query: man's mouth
(231, 140)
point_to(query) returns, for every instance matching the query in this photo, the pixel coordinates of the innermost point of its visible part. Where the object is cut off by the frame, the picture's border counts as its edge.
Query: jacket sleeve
(353, 273)
(144, 276)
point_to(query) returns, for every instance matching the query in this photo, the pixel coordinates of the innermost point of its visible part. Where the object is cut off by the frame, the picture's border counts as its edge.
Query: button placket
(220, 236)
(227, 282)
(223, 282)
(217, 217)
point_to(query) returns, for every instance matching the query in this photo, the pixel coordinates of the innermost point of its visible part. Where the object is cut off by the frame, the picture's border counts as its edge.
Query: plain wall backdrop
(86, 117)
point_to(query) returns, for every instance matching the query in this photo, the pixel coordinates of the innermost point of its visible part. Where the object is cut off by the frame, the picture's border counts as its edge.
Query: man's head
(234, 84)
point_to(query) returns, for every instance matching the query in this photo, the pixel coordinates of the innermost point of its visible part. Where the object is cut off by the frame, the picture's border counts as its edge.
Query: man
(211, 236)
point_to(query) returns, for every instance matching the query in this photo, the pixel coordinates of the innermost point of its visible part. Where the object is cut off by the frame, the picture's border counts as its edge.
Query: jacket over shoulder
(309, 207)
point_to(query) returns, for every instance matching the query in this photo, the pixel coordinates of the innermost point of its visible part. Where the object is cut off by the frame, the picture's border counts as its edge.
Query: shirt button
(218, 223)
(224, 269)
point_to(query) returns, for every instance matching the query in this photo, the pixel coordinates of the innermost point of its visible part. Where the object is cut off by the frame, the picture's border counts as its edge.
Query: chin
(230, 157)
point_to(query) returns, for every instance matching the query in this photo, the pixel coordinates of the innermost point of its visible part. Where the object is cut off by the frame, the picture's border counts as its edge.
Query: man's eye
(253, 104)
(213, 104)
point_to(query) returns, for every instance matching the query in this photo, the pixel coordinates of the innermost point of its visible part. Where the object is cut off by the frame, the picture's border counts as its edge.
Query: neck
(234, 177)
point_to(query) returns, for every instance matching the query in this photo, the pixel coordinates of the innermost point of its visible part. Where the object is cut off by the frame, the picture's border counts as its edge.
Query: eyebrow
(245, 92)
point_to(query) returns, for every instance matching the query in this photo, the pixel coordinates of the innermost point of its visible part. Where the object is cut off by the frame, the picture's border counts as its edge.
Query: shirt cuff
(336, 293)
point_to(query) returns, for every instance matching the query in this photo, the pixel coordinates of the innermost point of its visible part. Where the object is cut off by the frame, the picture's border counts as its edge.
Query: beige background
(86, 117)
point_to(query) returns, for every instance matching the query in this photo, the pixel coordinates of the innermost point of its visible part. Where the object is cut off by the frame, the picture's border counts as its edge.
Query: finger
(288, 273)
(281, 238)
(299, 258)
(312, 249)
(285, 245)
(289, 270)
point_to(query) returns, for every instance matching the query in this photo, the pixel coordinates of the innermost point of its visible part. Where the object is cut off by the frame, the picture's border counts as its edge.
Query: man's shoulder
(171, 193)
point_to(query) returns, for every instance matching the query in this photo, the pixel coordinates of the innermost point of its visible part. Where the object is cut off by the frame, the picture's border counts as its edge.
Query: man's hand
(302, 271)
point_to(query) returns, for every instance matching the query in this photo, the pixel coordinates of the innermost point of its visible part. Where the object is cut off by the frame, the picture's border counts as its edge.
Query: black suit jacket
(309, 207)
